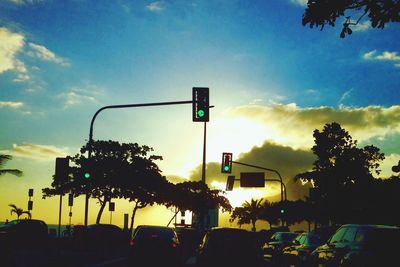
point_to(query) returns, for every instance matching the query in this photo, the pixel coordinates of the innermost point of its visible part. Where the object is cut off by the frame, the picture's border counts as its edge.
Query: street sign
(252, 179)
(230, 182)
(111, 206)
(30, 205)
(70, 200)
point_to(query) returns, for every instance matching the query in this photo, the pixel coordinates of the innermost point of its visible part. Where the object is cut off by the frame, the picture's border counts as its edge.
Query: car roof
(377, 226)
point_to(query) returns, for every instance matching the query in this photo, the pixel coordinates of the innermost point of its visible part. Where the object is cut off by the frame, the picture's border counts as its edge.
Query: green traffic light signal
(200, 113)
(226, 168)
(87, 175)
(282, 211)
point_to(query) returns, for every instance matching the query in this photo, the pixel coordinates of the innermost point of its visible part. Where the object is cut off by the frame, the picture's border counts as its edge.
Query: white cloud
(11, 104)
(293, 126)
(37, 152)
(24, 2)
(300, 2)
(79, 95)
(45, 54)
(157, 6)
(370, 55)
(388, 56)
(384, 56)
(345, 96)
(361, 27)
(10, 45)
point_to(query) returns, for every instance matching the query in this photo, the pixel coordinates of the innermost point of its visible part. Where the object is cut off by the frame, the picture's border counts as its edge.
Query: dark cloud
(286, 160)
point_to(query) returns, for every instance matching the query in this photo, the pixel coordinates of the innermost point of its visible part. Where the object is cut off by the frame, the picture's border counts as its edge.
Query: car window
(312, 239)
(298, 239)
(288, 236)
(301, 239)
(349, 235)
(361, 236)
(337, 236)
(153, 232)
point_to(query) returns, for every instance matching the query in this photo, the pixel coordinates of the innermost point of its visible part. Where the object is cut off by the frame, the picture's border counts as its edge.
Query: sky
(272, 81)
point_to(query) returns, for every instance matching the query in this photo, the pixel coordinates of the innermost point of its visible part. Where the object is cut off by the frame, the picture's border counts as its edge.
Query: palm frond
(27, 213)
(4, 158)
(11, 171)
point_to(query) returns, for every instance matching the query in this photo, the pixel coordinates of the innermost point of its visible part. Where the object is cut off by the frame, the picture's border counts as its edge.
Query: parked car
(155, 245)
(360, 245)
(298, 253)
(103, 238)
(24, 234)
(18, 237)
(189, 239)
(272, 250)
(229, 247)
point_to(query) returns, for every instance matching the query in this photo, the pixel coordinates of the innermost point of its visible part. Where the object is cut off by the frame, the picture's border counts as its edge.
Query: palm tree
(19, 211)
(3, 159)
(269, 213)
(249, 212)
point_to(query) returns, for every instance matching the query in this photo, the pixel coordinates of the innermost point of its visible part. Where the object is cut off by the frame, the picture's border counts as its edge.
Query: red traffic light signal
(201, 104)
(226, 166)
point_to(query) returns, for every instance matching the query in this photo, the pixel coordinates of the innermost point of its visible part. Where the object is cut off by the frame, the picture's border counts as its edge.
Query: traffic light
(62, 169)
(201, 104)
(87, 170)
(226, 166)
(230, 182)
(282, 211)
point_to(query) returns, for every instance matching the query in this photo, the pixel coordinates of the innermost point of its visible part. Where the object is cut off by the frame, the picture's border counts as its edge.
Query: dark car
(24, 233)
(19, 238)
(155, 245)
(360, 245)
(272, 250)
(103, 238)
(298, 253)
(229, 247)
(189, 239)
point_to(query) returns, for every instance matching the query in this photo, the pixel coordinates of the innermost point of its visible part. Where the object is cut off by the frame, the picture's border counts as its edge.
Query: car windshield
(153, 232)
(283, 236)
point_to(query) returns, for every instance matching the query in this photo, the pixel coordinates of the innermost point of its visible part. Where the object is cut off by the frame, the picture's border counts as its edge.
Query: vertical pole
(110, 217)
(59, 217)
(86, 208)
(203, 171)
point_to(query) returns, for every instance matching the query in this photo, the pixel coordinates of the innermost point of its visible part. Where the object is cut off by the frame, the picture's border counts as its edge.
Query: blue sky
(272, 81)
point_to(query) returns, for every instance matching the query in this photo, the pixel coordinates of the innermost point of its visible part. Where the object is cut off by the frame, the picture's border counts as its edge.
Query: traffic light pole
(283, 187)
(203, 168)
(116, 107)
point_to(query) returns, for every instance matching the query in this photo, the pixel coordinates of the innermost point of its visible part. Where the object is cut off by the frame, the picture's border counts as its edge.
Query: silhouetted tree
(117, 171)
(269, 213)
(249, 212)
(3, 159)
(341, 170)
(19, 211)
(380, 12)
(195, 196)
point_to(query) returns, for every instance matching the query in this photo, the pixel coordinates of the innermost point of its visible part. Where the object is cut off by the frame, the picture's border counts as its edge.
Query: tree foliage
(340, 171)
(129, 171)
(3, 159)
(117, 171)
(19, 212)
(325, 12)
(249, 212)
